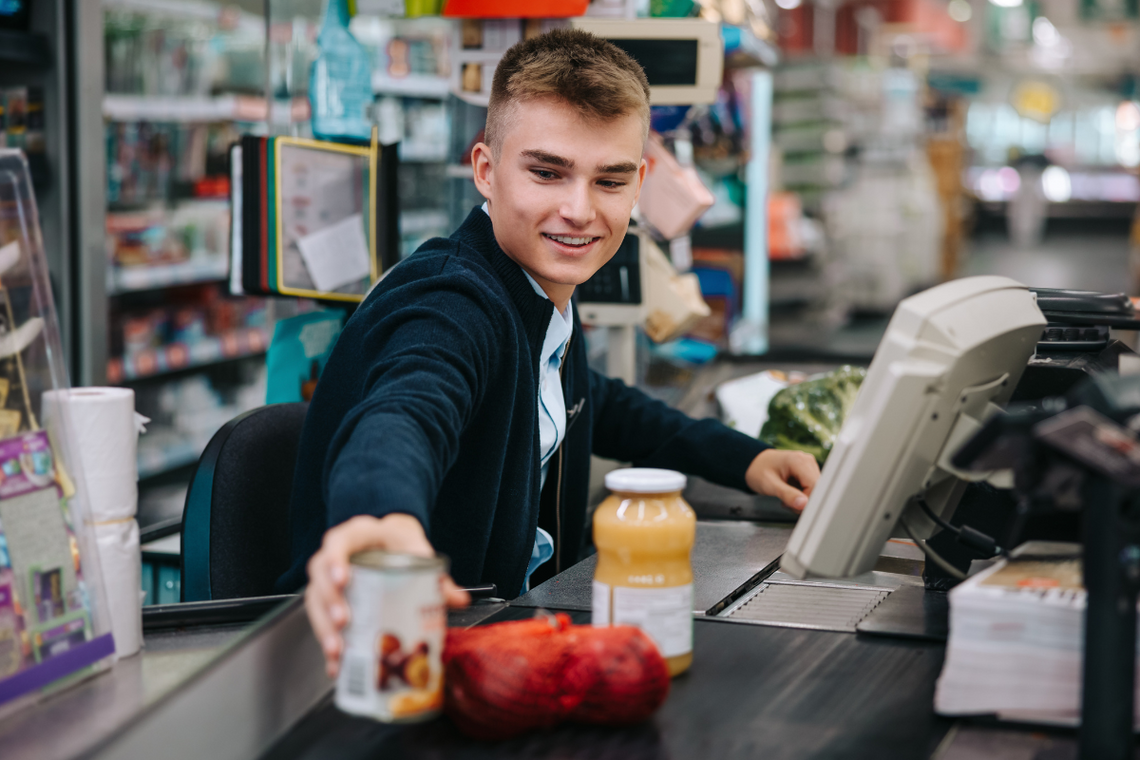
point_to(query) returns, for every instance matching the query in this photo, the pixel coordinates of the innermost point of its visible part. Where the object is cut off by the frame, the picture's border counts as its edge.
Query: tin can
(391, 669)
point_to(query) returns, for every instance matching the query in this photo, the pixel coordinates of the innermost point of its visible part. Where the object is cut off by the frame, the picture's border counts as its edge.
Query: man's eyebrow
(625, 167)
(548, 158)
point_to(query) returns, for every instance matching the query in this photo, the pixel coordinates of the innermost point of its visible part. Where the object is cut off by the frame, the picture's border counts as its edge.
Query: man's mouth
(571, 240)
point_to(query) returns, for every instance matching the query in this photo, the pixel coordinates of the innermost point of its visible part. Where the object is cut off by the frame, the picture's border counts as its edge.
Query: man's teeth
(570, 240)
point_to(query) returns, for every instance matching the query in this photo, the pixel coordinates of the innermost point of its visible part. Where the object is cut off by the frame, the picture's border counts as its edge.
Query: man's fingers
(791, 497)
(453, 596)
(805, 470)
(326, 635)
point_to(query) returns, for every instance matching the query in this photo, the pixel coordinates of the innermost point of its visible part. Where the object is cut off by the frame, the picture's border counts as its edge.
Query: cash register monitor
(950, 357)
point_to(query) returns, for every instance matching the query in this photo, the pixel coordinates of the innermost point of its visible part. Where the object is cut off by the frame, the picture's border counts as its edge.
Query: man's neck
(558, 294)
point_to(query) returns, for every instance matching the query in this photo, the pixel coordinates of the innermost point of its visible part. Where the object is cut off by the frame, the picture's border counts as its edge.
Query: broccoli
(807, 416)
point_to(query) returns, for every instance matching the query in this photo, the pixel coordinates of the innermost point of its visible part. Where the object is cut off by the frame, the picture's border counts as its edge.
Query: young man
(457, 404)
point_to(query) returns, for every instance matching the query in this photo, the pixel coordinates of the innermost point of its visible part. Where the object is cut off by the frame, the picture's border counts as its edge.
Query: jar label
(665, 614)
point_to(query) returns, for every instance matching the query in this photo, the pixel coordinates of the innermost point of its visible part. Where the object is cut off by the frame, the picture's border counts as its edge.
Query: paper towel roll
(104, 430)
(120, 559)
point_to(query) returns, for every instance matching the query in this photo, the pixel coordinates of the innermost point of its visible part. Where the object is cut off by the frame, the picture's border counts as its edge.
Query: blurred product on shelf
(672, 196)
(785, 226)
(193, 326)
(186, 413)
(297, 356)
(153, 161)
(150, 50)
(192, 231)
(721, 274)
(340, 81)
(850, 136)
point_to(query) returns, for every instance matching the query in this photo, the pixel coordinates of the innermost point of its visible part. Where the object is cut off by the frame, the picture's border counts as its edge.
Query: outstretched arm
(632, 427)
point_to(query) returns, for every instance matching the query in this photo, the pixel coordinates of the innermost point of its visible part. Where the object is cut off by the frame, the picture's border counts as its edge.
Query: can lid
(645, 480)
(384, 560)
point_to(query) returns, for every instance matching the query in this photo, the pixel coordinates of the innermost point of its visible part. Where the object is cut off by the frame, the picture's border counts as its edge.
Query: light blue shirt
(551, 410)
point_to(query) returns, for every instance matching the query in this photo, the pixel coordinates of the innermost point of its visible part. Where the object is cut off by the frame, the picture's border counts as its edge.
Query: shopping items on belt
(505, 679)
(808, 416)
(103, 429)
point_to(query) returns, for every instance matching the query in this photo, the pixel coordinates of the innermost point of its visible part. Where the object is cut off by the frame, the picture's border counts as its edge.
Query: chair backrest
(235, 527)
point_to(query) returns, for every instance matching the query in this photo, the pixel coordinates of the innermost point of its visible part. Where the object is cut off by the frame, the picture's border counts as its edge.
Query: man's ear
(642, 168)
(482, 164)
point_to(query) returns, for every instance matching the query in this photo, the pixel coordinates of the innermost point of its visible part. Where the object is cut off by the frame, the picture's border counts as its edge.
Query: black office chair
(235, 527)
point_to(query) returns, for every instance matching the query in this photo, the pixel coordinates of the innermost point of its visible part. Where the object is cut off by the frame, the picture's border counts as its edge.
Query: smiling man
(457, 411)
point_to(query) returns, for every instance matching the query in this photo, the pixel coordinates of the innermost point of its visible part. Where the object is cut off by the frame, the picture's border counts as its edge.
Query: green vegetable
(807, 416)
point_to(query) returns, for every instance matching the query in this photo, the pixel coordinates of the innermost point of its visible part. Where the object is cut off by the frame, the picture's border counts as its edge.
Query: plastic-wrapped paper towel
(103, 430)
(104, 427)
(121, 563)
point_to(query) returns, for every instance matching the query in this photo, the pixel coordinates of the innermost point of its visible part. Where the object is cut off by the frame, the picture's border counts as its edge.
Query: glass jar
(644, 534)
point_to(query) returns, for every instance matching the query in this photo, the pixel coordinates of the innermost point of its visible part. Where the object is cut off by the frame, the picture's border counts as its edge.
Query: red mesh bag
(502, 680)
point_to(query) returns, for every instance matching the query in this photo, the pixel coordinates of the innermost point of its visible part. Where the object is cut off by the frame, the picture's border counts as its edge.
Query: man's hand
(787, 475)
(329, 571)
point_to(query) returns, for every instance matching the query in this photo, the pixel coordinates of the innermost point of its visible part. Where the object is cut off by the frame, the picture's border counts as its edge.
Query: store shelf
(235, 344)
(411, 86)
(27, 48)
(183, 109)
(193, 10)
(420, 221)
(139, 278)
(155, 460)
(460, 171)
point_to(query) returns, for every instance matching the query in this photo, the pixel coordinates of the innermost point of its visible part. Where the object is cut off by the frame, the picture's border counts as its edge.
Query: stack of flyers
(1017, 638)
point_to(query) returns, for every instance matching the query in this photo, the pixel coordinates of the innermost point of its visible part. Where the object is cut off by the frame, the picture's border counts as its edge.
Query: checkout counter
(800, 687)
(782, 667)
(795, 681)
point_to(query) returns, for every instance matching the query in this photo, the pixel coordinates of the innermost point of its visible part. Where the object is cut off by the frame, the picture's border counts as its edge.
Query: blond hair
(594, 76)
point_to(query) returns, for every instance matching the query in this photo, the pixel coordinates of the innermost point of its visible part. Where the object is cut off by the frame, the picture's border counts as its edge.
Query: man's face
(561, 191)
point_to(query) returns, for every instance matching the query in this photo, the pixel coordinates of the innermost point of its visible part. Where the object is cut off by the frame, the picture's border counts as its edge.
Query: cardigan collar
(536, 311)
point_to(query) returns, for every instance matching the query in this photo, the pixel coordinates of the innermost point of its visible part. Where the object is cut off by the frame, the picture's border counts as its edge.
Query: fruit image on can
(391, 669)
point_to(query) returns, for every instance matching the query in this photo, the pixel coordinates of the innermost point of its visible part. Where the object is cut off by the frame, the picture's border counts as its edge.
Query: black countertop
(752, 692)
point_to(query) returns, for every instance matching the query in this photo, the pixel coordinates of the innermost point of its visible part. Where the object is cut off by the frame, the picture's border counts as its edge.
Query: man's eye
(611, 184)
(544, 174)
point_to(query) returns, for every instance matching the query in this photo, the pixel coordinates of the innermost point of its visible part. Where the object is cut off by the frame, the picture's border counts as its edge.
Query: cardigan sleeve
(426, 360)
(632, 427)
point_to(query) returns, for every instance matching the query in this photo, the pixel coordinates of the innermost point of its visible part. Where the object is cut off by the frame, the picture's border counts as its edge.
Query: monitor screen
(14, 14)
(667, 62)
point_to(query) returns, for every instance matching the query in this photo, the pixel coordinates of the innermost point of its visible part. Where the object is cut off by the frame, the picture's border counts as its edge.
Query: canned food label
(391, 669)
(664, 614)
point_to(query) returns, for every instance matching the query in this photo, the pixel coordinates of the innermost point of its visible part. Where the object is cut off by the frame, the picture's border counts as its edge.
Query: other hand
(329, 571)
(787, 475)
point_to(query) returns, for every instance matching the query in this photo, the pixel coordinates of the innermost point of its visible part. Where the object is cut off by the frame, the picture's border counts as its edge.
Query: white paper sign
(338, 255)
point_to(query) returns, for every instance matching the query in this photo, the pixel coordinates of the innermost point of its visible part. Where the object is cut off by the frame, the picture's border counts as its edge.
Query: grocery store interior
(811, 164)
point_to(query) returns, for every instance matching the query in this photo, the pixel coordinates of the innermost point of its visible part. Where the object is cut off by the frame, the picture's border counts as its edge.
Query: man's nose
(578, 205)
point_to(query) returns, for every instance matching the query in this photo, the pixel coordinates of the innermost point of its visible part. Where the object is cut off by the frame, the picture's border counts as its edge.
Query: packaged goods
(391, 667)
(644, 533)
(807, 416)
(509, 678)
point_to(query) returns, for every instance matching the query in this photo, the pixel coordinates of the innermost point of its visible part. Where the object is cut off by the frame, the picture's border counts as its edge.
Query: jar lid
(645, 480)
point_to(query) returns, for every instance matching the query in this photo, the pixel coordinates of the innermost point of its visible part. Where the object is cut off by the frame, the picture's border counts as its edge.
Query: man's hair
(594, 76)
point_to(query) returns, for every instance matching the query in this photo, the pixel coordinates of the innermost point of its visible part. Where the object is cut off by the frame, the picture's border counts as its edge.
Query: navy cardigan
(428, 406)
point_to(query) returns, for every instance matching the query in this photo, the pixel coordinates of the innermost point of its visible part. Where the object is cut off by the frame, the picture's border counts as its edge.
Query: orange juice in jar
(644, 535)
